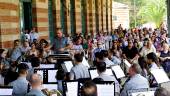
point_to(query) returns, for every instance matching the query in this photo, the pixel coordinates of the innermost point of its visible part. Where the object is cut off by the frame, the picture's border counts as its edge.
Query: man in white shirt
(101, 70)
(34, 35)
(136, 81)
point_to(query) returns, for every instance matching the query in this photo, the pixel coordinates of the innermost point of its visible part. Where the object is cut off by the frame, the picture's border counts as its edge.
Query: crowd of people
(145, 49)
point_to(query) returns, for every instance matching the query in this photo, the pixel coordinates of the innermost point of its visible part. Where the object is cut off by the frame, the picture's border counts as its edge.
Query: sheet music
(147, 93)
(72, 89)
(50, 86)
(51, 75)
(94, 73)
(40, 72)
(6, 91)
(160, 75)
(127, 63)
(84, 62)
(105, 90)
(47, 66)
(118, 71)
(68, 65)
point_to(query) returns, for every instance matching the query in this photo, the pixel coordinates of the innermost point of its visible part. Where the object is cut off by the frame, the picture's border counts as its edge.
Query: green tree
(153, 11)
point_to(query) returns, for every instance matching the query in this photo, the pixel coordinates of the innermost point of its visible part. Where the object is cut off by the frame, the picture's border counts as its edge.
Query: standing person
(33, 35)
(60, 43)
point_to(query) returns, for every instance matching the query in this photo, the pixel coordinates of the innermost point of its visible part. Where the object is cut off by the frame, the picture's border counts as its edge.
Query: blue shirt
(60, 43)
(35, 92)
(16, 53)
(20, 86)
(79, 71)
(135, 82)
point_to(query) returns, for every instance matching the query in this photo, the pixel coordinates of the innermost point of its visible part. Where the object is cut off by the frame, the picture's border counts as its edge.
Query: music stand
(160, 75)
(6, 90)
(127, 65)
(93, 72)
(70, 88)
(67, 65)
(47, 74)
(47, 65)
(142, 92)
(105, 88)
(50, 86)
(117, 70)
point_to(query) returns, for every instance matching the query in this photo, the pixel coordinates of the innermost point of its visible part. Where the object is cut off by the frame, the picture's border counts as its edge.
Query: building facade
(84, 16)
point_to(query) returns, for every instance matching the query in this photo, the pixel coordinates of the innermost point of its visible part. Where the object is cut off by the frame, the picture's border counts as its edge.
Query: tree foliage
(153, 11)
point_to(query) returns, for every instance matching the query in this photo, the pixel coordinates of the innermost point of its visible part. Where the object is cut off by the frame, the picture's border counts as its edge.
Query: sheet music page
(84, 62)
(50, 86)
(94, 73)
(51, 75)
(105, 90)
(148, 93)
(47, 66)
(118, 71)
(6, 91)
(127, 63)
(160, 75)
(72, 89)
(40, 72)
(68, 65)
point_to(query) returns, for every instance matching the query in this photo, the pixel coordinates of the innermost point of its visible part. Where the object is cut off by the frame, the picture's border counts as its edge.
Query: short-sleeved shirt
(130, 53)
(79, 71)
(20, 86)
(134, 83)
(35, 92)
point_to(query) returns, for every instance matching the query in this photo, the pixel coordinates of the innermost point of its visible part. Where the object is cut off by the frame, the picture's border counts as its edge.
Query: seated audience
(33, 51)
(106, 58)
(148, 48)
(165, 58)
(16, 51)
(3, 57)
(130, 52)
